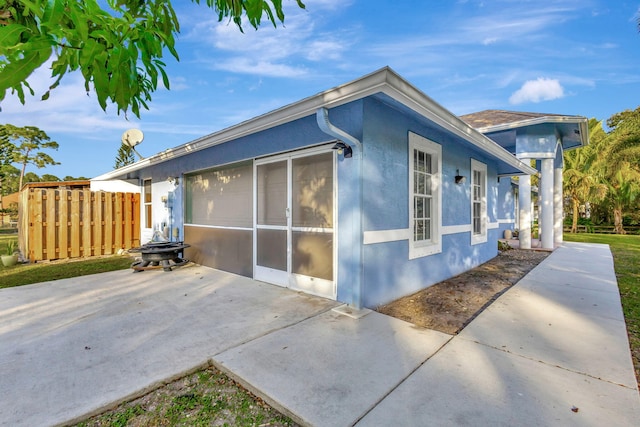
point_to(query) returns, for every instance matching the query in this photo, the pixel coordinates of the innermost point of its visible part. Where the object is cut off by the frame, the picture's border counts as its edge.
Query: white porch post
(558, 206)
(524, 193)
(546, 223)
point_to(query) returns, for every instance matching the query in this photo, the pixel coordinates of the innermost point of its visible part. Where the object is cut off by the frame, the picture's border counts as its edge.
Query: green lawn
(26, 274)
(626, 260)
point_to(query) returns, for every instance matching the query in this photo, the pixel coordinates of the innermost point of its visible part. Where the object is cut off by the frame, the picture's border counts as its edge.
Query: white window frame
(479, 236)
(147, 204)
(432, 246)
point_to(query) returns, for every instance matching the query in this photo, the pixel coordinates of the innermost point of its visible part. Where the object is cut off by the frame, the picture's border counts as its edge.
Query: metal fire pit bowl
(163, 255)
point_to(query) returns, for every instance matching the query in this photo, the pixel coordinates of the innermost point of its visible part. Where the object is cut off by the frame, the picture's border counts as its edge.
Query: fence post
(35, 225)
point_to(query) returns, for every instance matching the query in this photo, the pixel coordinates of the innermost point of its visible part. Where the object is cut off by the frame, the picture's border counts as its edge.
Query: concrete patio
(552, 350)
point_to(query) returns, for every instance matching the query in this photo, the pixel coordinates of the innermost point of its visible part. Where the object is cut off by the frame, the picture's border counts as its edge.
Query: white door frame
(307, 284)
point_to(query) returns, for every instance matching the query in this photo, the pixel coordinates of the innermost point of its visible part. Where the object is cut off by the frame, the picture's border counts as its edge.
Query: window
(146, 187)
(425, 165)
(478, 202)
(221, 197)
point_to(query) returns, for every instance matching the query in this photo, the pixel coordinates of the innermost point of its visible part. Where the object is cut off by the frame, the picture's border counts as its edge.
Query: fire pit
(163, 255)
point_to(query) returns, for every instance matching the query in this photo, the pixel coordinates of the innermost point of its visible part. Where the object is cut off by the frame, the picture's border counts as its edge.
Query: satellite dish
(131, 138)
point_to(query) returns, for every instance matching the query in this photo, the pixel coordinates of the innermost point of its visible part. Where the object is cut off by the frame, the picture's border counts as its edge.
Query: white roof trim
(384, 81)
(582, 122)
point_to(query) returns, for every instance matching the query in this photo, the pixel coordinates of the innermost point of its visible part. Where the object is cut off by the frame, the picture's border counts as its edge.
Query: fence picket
(63, 224)
(49, 222)
(108, 223)
(76, 239)
(85, 221)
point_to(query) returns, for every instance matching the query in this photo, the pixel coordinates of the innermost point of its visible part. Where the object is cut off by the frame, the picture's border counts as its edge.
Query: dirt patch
(450, 305)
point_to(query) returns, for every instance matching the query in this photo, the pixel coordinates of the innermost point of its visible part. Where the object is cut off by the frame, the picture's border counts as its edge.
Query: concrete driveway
(71, 347)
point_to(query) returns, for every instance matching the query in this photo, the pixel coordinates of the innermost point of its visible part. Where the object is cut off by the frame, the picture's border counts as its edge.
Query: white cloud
(259, 67)
(275, 52)
(541, 89)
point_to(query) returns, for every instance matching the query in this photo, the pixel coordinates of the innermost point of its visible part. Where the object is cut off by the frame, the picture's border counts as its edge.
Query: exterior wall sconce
(459, 179)
(343, 149)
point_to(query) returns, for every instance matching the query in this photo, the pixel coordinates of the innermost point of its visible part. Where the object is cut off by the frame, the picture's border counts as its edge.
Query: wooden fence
(58, 223)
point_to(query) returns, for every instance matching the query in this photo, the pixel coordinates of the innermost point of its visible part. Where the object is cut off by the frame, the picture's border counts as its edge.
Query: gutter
(384, 80)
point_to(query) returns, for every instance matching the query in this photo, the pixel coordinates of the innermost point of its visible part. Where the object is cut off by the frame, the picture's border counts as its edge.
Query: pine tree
(125, 157)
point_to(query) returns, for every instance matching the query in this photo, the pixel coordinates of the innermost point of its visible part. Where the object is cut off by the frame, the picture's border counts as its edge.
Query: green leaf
(89, 51)
(16, 72)
(10, 35)
(165, 77)
(80, 20)
(53, 14)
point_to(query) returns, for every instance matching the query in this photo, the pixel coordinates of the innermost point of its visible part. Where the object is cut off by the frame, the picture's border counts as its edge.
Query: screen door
(294, 241)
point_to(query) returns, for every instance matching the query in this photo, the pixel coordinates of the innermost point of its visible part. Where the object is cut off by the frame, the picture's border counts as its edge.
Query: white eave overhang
(384, 81)
(581, 122)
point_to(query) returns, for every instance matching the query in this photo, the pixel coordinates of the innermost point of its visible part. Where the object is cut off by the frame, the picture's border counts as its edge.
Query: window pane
(147, 217)
(418, 230)
(312, 203)
(477, 229)
(222, 197)
(272, 193)
(272, 249)
(313, 254)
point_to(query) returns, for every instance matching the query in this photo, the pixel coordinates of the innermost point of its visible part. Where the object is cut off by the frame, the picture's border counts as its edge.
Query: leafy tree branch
(118, 47)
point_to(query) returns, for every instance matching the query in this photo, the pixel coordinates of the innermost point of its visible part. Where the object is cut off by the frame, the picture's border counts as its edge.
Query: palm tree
(580, 183)
(619, 164)
(623, 192)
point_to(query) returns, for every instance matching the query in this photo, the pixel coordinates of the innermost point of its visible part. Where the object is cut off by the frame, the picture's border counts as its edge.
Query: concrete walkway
(552, 350)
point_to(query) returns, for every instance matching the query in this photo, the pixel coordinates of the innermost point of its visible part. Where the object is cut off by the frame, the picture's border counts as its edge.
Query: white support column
(524, 194)
(545, 220)
(558, 206)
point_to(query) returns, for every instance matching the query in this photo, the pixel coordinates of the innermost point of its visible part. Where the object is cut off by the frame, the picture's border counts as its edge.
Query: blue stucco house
(363, 193)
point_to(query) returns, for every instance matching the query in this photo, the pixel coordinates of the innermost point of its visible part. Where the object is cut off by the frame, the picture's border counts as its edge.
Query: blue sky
(575, 57)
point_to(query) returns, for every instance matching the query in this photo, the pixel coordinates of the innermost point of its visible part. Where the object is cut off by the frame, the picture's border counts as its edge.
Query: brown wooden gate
(59, 223)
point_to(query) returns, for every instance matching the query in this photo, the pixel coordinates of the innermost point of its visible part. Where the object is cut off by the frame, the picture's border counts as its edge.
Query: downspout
(322, 117)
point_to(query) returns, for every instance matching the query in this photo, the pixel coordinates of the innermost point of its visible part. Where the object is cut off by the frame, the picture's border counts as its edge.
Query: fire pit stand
(163, 255)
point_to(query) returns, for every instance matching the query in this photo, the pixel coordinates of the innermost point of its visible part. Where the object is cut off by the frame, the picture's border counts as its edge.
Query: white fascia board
(400, 90)
(384, 80)
(582, 122)
(535, 121)
(357, 89)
